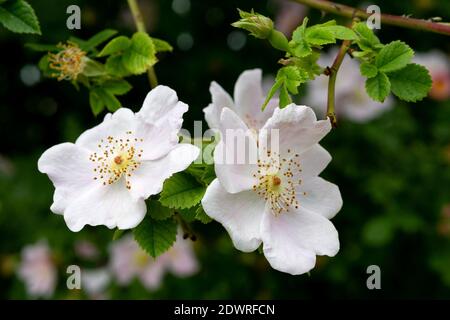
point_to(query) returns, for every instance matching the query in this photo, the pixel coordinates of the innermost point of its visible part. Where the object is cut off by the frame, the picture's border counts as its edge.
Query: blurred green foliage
(394, 172)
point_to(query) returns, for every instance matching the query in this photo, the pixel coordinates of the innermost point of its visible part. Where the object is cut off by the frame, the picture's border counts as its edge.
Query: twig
(140, 26)
(332, 73)
(399, 21)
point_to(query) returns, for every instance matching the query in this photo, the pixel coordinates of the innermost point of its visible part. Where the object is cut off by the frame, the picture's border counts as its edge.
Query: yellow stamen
(68, 63)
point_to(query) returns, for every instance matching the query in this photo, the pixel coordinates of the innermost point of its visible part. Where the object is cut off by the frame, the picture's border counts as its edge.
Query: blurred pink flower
(352, 101)
(289, 16)
(128, 261)
(86, 250)
(439, 66)
(95, 281)
(37, 270)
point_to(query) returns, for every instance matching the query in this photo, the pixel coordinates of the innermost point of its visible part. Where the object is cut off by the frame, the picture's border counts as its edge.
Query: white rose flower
(279, 201)
(106, 175)
(248, 100)
(351, 99)
(38, 270)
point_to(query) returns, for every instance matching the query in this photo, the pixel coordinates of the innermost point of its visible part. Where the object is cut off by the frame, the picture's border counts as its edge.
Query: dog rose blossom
(106, 175)
(278, 201)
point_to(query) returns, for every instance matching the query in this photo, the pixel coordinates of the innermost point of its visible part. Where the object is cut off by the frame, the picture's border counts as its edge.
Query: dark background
(394, 172)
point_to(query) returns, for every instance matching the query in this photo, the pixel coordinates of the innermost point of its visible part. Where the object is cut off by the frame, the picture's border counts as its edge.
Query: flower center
(118, 160)
(68, 63)
(277, 181)
(117, 157)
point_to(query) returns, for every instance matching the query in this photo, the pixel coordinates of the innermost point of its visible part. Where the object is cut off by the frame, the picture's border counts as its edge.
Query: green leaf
(319, 36)
(93, 68)
(196, 170)
(157, 211)
(287, 81)
(209, 174)
(378, 87)
(272, 92)
(155, 236)
(181, 191)
(299, 46)
(285, 99)
(292, 77)
(310, 65)
(116, 87)
(393, 56)
(140, 55)
(18, 16)
(411, 83)
(327, 33)
(300, 49)
(202, 216)
(189, 214)
(341, 32)
(368, 70)
(117, 44)
(115, 67)
(367, 40)
(108, 99)
(161, 45)
(98, 39)
(96, 102)
(40, 47)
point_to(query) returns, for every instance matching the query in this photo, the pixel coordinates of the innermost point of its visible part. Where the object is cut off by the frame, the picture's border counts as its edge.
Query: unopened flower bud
(258, 25)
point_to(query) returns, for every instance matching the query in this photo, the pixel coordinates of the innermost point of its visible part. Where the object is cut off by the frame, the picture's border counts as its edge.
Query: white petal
(298, 128)
(235, 155)
(212, 115)
(220, 100)
(163, 114)
(313, 161)
(249, 98)
(149, 178)
(115, 125)
(293, 239)
(110, 205)
(248, 92)
(319, 196)
(239, 213)
(161, 106)
(68, 167)
(157, 140)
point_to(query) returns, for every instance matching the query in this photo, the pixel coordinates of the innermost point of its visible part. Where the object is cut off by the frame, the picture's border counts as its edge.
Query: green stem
(332, 73)
(399, 21)
(140, 26)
